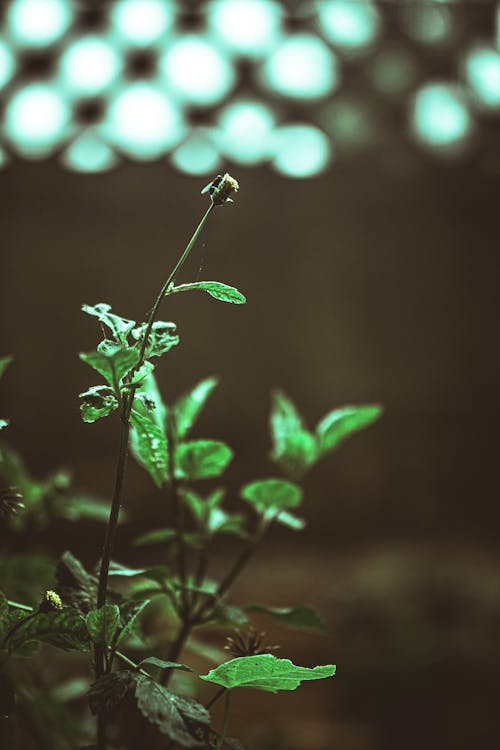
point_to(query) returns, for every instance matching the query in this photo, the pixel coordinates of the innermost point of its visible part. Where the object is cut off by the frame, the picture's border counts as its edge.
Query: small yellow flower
(52, 600)
(221, 189)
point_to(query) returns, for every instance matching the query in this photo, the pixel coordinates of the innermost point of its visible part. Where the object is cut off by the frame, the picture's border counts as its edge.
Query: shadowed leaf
(188, 407)
(304, 618)
(270, 494)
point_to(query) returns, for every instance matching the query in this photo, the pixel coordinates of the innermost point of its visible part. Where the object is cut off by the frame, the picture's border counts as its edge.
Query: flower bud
(50, 602)
(221, 189)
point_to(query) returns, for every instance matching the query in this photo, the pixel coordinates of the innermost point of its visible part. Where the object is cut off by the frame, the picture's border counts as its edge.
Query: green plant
(80, 612)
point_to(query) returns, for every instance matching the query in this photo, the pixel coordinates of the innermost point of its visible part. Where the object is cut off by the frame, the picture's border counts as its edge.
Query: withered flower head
(248, 643)
(11, 502)
(50, 602)
(221, 189)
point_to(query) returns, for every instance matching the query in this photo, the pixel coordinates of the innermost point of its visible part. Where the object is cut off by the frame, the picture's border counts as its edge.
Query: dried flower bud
(11, 502)
(221, 189)
(50, 602)
(250, 643)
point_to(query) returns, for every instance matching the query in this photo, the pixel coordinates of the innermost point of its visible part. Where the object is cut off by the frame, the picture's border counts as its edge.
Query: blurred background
(366, 140)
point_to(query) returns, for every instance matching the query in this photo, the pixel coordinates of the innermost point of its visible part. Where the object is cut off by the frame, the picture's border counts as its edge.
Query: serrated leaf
(291, 520)
(183, 720)
(154, 661)
(4, 363)
(162, 338)
(98, 402)
(188, 407)
(216, 289)
(109, 690)
(64, 629)
(295, 449)
(340, 424)
(103, 624)
(148, 441)
(202, 459)
(119, 327)
(304, 618)
(112, 360)
(265, 672)
(129, 612)
(274, 494)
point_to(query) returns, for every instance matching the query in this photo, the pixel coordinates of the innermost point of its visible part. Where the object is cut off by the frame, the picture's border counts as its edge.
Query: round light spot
(347, 24)
(89, 66)
(300, 151)
(302, 68)
(88, 153)
(7, 63)
(197, 155)
(142, 121)
(196, 71)
(38, 22)
(36, 119)
(427, 23)
(440, 117)
(482, 71)
(245, 131)
(142, 22)
(247, 27)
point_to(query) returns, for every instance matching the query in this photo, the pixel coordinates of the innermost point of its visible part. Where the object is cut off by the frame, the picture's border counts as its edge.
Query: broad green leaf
(162, 338)
(183, 720)
(216, 289)
(265, 672)
(4, 363)
(119, 327)
(304, 618)
(274, 494)
(64, 629)
(109, 690)
(149, 395)
(98, 402)
(340, 424)
(291, 520)
(103, 624)
(188, 407)
(112, 360)
(148, 442)
(154, 661)
(201, 459)
(294, 448)
(156, 536)
(129, 612)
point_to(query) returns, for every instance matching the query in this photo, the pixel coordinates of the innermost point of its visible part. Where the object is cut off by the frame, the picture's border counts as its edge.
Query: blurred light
(197, 71)
(89, 65)
(4, 158)
(427, 23)
(482, 70)
(36, 119)
(7, 63)
(197, 155)
(301, 67)
(440, 116)
(249, 27)
(142, 22)
(142, 121)
(300, 150)
(349, 122)
(393, 71)
(89, 154)
(246, 127)
(38, 22)
(347, 24)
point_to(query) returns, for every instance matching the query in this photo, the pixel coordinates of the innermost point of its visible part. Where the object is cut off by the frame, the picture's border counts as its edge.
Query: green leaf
(216, 289)
(202, 459)
(119, 327)
(265, 672)
(228, 614)
(112, 360)
(64, 629)
(109, 690)
(84, 506)
(162, 338)
(117, 569)
(183, 720)
(304, 618)
(98, 402)
(294, 448)
(154, 661)
(220, 522)
(188, 407)
(274, 494)
(291, 520)
(129, 612)
(75, 584)
(340, 424)
(4, 363)
(148, 441)
(155, 536)
(103, 624)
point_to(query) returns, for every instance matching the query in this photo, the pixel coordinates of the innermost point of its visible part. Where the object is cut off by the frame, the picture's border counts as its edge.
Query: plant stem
(225, 721)
(176, 648)
(215, 697)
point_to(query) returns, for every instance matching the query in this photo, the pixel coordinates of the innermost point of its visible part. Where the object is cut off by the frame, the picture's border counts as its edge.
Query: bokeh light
(36, 119)
(7, 63)
(300, 150)
(89, 65)
(197, 155)
(38, 23)
(350, 122)
(440, 117)
(349, 25)
(142, 121)
(302, 67)
(142, 22)
(247, 27)
(245, 131)
(482, 71)
(393, 71)
(88, 153)
(197, 71)
(427, 23)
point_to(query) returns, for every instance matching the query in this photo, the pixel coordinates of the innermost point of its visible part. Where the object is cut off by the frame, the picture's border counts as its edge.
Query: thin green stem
(225, 721)
(17, 605)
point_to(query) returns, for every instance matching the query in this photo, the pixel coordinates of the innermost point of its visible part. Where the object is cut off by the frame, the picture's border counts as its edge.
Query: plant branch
(225, 721)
